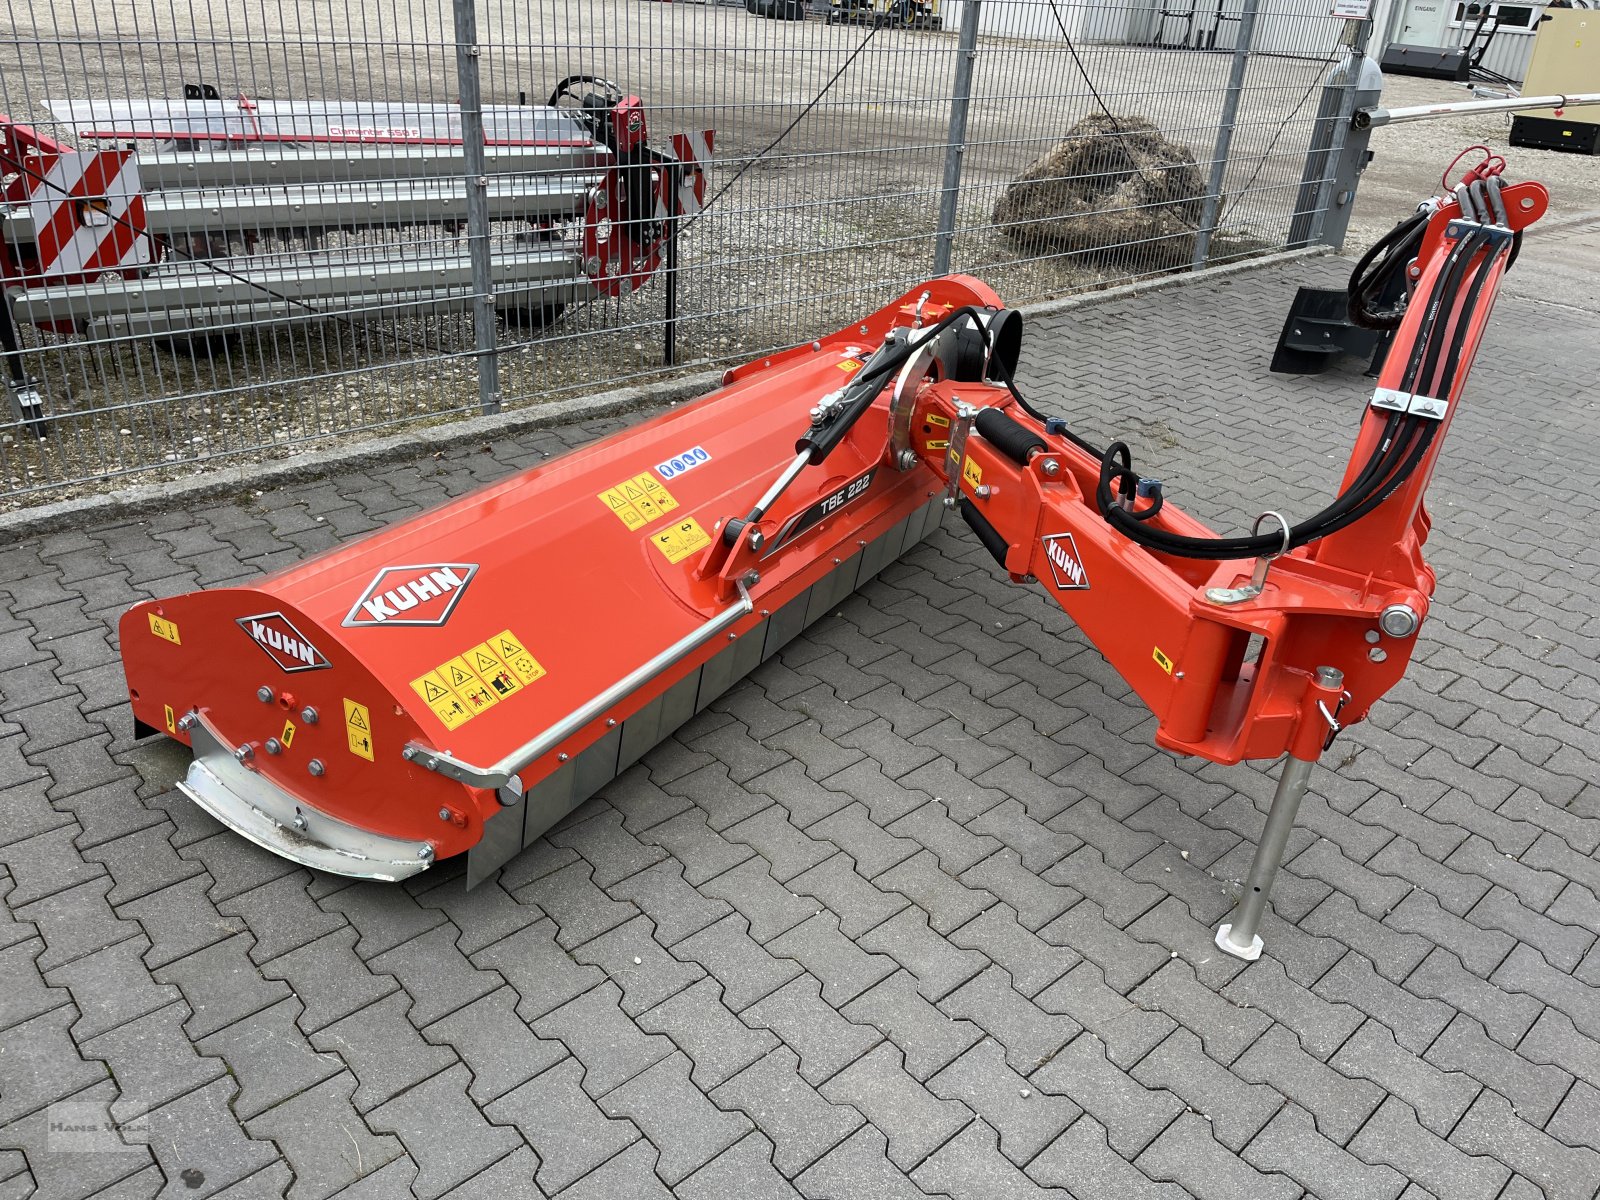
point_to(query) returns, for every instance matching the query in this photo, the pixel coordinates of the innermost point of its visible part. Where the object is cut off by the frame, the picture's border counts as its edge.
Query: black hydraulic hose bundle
(1398, 454)
(1374, 273)
(1404, 444)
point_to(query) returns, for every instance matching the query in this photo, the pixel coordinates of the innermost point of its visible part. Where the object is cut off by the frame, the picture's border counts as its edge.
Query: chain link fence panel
(233, 231)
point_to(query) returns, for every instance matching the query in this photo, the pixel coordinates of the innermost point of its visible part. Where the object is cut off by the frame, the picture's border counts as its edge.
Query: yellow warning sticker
(972, 473)
(524, 665)
(851, 365)
(502, 681)
(937, 419)
(625, 512)
(287, 736)
(460, 675)
(444, 703)
(1162, 660)
(655, 492)
(172, 718)
(679, 541)
(638, 501)
(938, 443)
(165, 629)
(478, 679)
(634, 493)
(358, 729)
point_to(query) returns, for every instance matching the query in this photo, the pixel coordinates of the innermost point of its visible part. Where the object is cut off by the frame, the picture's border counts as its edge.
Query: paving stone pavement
(915, 910)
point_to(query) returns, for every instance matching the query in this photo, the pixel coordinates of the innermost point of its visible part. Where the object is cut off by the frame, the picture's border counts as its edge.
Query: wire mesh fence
(230, 231)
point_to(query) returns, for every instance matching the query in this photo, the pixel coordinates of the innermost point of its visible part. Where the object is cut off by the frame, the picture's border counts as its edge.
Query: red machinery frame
(609, 595)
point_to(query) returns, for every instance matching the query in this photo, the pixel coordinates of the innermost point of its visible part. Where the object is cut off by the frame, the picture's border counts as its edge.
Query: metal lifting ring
(1258, 578)
(1282, 524)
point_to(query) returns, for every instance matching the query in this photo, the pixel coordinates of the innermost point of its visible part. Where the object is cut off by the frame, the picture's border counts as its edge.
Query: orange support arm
(1229, 676)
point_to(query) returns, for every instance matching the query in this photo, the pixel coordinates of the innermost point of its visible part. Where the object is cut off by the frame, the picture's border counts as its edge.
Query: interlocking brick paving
(915, 910)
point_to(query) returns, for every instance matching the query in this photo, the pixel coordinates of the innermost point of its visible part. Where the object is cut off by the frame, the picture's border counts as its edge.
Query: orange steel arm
(1238, 663)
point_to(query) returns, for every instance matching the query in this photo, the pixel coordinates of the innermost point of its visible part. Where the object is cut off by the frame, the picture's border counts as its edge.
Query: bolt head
(757, 539)
(444, 814)
(264, 694)
(1399, 620)
(299, 822)
(274, 746)
(425, 854)
(245, 752)
(308, 715)
(315, 767)
(1051, 467)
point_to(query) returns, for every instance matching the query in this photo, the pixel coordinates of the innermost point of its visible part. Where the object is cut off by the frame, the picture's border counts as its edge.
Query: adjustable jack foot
(1249, 952)
(1238, 936)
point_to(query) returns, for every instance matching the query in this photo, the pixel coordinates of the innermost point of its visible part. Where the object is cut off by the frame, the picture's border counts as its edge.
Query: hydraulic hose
(1399, 452)
(1387, 257)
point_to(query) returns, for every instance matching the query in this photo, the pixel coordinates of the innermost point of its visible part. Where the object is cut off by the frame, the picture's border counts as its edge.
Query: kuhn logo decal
(420, 594)
(283, 643)
(679, 463)
(1065, 565)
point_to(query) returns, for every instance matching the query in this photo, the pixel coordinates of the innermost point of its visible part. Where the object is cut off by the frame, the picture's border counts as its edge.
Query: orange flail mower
(461, 681)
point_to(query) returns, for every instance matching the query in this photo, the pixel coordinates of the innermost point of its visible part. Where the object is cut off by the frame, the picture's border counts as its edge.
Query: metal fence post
(1230, 116)
(485, 330)
(1328, 181)
(956, 146)
(669, 267)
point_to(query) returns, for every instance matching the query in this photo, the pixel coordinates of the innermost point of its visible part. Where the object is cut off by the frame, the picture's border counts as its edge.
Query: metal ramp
(354, 122)
(309, 209)
(203, 297)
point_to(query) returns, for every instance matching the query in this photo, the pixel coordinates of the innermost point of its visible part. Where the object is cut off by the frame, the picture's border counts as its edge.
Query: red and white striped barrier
(88, 214)
(693, 150)
(615, 264)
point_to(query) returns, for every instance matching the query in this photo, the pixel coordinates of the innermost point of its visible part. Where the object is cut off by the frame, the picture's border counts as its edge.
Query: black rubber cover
(1005, 331)
(987, 533)
(1013, 440)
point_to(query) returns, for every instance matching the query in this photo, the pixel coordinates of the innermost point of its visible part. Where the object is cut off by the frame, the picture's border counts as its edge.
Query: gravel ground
(838, 218)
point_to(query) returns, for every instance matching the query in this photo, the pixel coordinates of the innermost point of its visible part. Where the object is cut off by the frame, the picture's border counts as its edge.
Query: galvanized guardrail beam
(1371, 118)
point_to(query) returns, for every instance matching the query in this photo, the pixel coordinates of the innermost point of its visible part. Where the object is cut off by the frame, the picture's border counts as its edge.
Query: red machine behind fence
(208, 216)
(461, 681)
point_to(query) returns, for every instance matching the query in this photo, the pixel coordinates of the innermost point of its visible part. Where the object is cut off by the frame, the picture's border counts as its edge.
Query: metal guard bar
(504, 774)
(1371, 118)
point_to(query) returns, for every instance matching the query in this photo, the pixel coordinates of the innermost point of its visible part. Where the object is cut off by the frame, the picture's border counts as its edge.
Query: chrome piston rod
(1371, 118)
